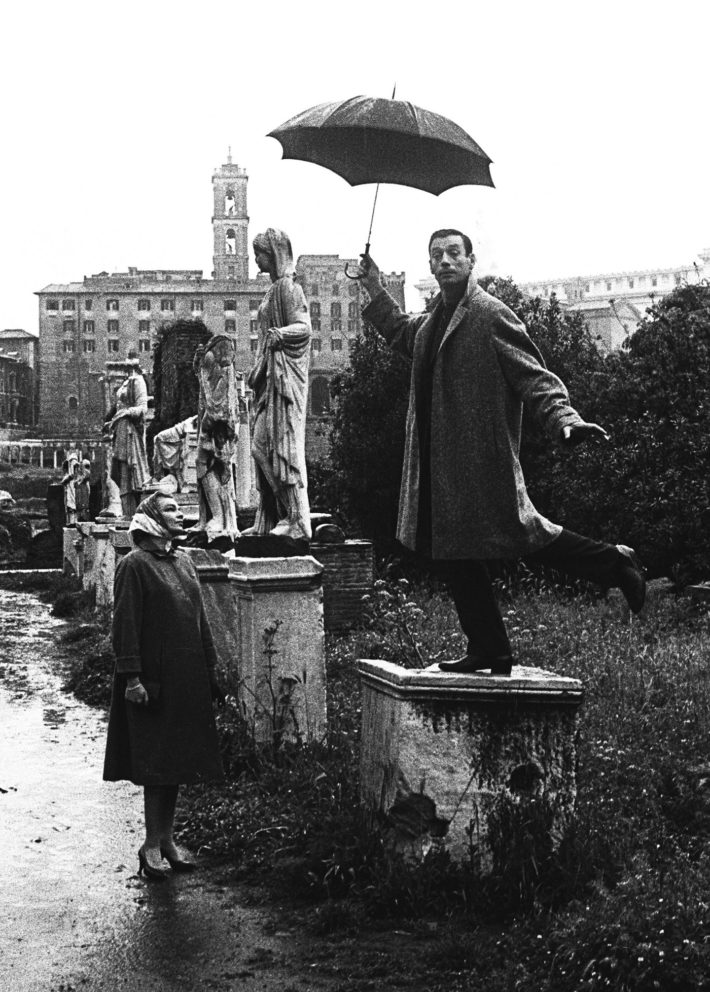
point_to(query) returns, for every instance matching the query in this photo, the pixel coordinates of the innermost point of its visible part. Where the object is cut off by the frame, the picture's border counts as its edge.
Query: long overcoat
(485, 369)
(161, 632)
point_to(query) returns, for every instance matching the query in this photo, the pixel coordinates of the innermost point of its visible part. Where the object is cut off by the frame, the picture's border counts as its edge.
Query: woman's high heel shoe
(179, 863)
(150, 871)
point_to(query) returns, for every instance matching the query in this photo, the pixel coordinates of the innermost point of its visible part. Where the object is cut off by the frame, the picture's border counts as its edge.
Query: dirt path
(76, 914)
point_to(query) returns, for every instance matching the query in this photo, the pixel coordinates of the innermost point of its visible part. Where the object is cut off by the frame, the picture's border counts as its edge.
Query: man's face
(448, 261)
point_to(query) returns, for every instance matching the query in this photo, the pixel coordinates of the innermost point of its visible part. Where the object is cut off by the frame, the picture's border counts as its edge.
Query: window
(631, 284)
(654, 280)
(254, 305)
(230, 304)
(197, 306)
(677, 278)
(336, 289)
(587, 287)
(144, 344)
(68, 326)
(144, 326)
(335, 310)
(113, 344)
(112, 304)
(144, 304)
(254, 343)
(230, 272)
(354, 289)
(315, 344)
(230, 327)
(314, 289)
(52, 305)
(352, 327)
(608, 287)
(73, 404)
(113, 327)
(253, 326)
(315, 309)
(315, 326)
(88, 304)
(336, 325)
(336, 344)
(89, 327)
(167, 305)
(352, 309)
(89, 346)
(67, 304)
(68, 345)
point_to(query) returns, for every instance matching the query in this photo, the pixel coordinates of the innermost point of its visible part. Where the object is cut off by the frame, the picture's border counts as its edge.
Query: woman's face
(172, 515)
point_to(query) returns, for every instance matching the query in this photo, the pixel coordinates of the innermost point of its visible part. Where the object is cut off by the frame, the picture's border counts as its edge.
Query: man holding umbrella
(463, 498)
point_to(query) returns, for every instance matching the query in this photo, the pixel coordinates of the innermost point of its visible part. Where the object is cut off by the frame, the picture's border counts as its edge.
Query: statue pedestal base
(98, 546)
(281, 654)
(460, 762)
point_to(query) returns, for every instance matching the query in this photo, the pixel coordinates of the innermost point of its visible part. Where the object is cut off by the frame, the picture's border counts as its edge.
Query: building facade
(18, 378)
(611, 303)
(84, 325)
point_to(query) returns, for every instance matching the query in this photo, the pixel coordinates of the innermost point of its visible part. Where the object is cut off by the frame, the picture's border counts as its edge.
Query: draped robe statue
(129, 469)
(279, 380)
(218, 428)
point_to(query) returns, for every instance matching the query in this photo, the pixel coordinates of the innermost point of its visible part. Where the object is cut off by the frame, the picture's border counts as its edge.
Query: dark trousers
(472, 591)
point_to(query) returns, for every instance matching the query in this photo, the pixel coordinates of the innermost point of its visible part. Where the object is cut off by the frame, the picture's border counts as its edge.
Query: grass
(622, 904)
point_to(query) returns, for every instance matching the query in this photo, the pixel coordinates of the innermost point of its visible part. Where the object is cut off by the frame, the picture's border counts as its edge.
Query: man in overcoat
(463, 498)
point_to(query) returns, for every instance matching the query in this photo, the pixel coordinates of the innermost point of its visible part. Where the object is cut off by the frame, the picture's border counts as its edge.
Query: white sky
(114, 117)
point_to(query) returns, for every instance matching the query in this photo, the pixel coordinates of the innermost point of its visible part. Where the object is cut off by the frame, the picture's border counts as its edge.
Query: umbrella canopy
(371, 140)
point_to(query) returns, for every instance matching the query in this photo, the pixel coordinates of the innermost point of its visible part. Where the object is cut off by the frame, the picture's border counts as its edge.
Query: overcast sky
(114, 117)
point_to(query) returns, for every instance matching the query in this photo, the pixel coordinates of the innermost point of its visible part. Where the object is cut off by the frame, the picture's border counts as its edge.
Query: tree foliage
(648, 487)
(367, 435)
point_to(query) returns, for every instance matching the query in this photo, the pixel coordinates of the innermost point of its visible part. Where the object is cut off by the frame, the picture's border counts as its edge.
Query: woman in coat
(161, 731)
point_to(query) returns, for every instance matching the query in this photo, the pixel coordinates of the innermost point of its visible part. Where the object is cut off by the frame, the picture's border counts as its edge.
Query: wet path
(74, 914)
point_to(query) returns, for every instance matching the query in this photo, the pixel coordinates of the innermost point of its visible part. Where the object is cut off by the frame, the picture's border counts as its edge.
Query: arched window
(73, 404)
(320, 396)
(230, 242)
(230, 203)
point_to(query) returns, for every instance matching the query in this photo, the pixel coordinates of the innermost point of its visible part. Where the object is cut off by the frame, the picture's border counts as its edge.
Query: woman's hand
(136, 693)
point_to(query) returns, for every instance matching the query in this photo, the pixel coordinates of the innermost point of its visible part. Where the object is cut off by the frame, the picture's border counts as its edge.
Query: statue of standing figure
(129, 465)
(279, 380)
(217, 431)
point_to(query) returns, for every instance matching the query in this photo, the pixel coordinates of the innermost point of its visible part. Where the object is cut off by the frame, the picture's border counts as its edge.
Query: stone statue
(279, 380)
(170, 454)
(217, 431)
(129, 467)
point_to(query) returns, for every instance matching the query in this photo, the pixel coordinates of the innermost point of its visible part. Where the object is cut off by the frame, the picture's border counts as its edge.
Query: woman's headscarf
(148, 520)
(277, 244)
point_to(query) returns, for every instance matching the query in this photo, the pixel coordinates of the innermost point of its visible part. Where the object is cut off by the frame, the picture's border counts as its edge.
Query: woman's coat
(161, 633)
(485, 369)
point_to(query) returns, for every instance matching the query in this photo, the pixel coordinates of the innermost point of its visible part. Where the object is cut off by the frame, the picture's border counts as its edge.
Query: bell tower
(230, 223)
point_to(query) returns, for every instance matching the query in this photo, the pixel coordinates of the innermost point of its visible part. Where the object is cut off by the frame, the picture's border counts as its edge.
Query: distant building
(18, 386)
(83, 325)
(612, 303)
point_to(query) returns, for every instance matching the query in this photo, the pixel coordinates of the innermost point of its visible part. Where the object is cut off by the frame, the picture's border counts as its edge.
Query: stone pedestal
(349, 573)
(281, 651)
(454, 762)
(72, 552)
(220, 601)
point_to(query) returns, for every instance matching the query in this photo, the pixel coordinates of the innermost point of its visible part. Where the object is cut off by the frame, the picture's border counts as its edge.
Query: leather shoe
(631, 578)
(500, 665)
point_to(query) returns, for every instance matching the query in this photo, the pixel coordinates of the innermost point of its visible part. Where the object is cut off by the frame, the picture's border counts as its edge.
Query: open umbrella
(374, 140)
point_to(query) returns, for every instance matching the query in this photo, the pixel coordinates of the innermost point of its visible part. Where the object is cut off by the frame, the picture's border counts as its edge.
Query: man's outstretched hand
(578, 433)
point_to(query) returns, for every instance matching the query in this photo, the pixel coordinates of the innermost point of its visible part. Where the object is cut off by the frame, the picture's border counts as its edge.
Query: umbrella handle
(366, 252)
